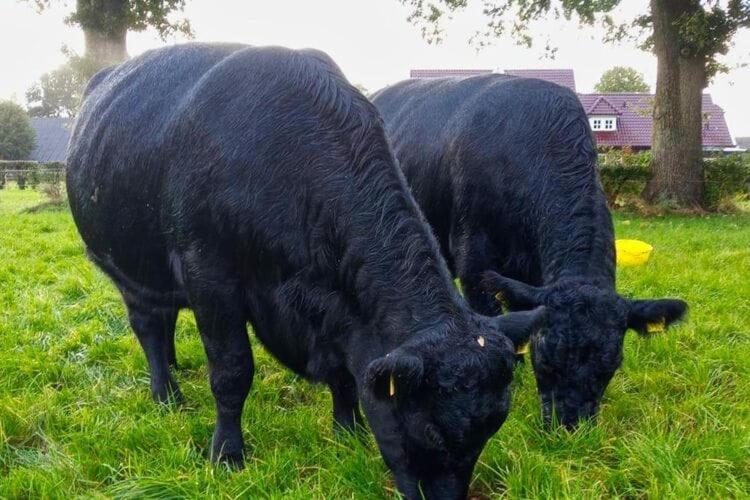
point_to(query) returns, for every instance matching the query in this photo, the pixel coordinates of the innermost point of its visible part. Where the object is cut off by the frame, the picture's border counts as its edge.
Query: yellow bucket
(632, 252)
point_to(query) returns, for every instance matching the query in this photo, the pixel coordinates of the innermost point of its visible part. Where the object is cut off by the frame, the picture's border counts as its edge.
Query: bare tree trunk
(105, 27)
(105, 48)
(677, 136)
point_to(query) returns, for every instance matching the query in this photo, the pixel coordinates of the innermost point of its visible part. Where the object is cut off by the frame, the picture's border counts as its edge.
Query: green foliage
(17, 137)
(725, 177)
(118, 16)
(622, 79)
(76, 419)
(60, 92)
(706, 28)
(623, 174)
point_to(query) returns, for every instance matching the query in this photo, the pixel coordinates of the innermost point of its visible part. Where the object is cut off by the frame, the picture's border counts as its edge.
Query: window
(603, 123)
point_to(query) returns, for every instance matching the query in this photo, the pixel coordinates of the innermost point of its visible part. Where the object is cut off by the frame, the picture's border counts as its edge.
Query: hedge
(624, 175)
(725, 177)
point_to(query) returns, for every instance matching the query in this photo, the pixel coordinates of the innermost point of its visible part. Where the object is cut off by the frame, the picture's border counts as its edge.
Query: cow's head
(434, 402)
(577, 354)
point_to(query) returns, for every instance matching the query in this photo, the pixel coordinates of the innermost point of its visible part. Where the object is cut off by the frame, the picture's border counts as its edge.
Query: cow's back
(216, 140)
(494, 151)
(117, 160)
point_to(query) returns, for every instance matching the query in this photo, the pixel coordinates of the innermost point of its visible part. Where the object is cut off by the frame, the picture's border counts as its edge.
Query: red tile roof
(634, 111)
(602, 106)
(442, 73)
(562, 77)
(635, 123)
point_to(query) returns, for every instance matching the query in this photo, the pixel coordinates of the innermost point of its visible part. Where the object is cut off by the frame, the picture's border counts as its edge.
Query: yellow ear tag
(656, 327)
(391, 386)
(500, 298)
(523, 349)
(480, 341)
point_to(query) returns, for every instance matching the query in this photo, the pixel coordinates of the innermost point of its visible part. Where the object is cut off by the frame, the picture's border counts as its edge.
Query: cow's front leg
(219, 313)
(475, 255)
(346, 414)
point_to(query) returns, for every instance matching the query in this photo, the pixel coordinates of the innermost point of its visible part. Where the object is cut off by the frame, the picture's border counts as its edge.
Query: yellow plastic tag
(656, 327)
(500, 297)
(523, 349)
(391, 387)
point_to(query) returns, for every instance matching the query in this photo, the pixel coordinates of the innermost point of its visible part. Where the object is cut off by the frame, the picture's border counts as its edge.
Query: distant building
(52, 135)
(743, 142)
(617, 119)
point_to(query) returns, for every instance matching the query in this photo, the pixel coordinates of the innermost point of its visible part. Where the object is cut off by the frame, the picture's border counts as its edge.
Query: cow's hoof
(168, 394)
(227, 451)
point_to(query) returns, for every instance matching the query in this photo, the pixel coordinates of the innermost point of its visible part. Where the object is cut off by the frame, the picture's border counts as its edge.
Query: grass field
(76, 418)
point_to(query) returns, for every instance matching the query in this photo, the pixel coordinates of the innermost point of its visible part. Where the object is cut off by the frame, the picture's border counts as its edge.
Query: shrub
(725, 177)
(16, 133)
(623, 174)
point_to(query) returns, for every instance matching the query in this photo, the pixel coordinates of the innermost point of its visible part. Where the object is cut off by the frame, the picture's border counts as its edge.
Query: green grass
(76, 418)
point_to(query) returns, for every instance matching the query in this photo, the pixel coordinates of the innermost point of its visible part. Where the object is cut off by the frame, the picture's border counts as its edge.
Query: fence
(30, 173)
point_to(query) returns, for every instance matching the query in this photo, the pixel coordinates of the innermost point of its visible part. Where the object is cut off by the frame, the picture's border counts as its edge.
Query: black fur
(256, 184)
(504, 170)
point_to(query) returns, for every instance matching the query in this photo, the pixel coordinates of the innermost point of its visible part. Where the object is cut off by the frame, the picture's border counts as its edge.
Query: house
(52, 135)
(617, 119)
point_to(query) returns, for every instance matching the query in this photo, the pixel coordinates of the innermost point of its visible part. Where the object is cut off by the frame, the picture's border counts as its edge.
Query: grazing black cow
(256, 184)
(504, 170)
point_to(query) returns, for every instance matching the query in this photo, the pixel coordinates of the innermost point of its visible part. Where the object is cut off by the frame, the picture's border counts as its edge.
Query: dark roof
(635, 122)
(52, 135)
(562, 77)
(442, 73)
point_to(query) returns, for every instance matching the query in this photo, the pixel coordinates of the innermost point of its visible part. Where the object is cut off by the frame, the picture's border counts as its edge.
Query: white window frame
(603, 123)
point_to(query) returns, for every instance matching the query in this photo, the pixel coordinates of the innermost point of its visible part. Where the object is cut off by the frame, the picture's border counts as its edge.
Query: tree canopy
(17, 138)
(116, 16)
(59, 92)
(622, 79)
(705, 27)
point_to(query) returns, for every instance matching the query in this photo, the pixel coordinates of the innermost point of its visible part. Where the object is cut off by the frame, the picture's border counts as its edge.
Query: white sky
(370, 39)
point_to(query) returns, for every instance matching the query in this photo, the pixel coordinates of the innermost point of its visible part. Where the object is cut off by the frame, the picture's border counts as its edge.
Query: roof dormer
(603, 123)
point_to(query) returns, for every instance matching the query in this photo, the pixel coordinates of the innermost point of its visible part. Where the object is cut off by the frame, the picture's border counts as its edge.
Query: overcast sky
(370, 39)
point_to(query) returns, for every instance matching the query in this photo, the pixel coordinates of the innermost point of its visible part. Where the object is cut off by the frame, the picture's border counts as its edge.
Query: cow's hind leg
(153, 326)
(169, 348)
(346, 414)
(218, 304)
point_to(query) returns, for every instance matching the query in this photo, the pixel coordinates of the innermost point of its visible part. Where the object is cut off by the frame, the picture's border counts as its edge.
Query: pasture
(76, 418)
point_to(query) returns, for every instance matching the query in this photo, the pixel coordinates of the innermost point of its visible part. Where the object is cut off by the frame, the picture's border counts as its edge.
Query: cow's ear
(519, 326)
(512, 294)
(395, 375)
(654, 316)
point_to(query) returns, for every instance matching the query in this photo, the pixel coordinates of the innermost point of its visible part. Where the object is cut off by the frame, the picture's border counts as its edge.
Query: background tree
(16, 133)
(687, 36)
(622, 79)
(59, 92)
(105, 23)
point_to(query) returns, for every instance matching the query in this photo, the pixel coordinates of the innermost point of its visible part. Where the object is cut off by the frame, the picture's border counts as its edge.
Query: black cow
(504, 170)
(256, 184)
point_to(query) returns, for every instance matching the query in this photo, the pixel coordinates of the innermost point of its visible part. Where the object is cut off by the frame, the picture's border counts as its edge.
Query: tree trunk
(105, 28)
(105, 49)
(677, 135)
